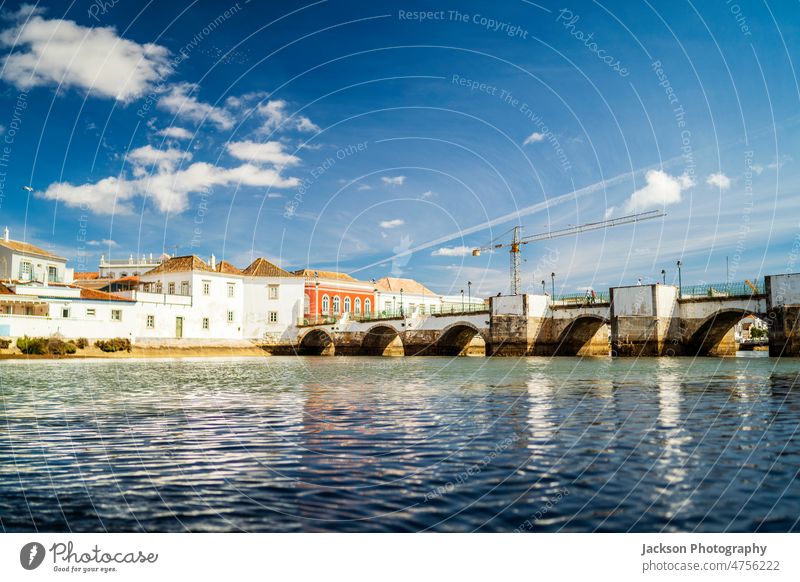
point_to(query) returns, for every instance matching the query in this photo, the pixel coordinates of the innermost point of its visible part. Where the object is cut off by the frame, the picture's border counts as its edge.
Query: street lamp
(462, 301)
(663, 277)
(680, 264)
(553, 284)
(543, 291)
(469, 294)
(401, 303)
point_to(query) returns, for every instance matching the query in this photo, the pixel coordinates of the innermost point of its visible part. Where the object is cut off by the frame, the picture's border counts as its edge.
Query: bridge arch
(586, 335)
(382, 339)
(713, 336)
(461, 339)
(316, 342)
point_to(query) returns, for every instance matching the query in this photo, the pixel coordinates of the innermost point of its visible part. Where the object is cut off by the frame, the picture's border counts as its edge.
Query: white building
(130, 267)
(394, 294)
(273, 302)
(26, 263)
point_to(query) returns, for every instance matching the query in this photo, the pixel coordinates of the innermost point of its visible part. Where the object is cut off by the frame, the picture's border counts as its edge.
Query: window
(171, 289)
(347, 305)
(116, 315)
(206, 324)
(206, 287)
(151, 322)
(325, 304)
(231, 289)
(367, 305)
(52, 274)
(358, 305)
(28, 310)
(230, 317)
(26, 269)
(65, 312)
(337, 305)
(159, 287)
(273, 291)
(432, 309)
(273, 317)
(90, 312)
(184, 287)
(306, 304)
(422, 309)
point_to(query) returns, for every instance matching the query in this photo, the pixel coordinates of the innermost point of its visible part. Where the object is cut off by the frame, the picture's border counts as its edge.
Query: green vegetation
(757, 333)
(116, 344)
(82, 343)
(40, 346)
(4, 344)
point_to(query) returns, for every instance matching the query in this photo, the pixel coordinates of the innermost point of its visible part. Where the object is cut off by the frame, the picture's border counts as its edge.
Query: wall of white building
(82, 319)
(272, 307)
(11, 267)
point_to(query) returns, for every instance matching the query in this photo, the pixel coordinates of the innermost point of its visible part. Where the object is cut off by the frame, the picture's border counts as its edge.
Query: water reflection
(370, 444)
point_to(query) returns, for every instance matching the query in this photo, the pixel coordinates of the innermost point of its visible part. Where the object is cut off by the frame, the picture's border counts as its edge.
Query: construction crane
(517, 241)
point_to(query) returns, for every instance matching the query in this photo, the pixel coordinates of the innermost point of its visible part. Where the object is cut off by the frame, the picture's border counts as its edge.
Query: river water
(406, 444)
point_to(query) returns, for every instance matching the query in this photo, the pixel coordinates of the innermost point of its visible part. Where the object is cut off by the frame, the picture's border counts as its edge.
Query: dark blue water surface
(408, 444)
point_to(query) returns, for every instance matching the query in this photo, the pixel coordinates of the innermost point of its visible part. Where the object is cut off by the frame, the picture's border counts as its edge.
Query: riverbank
(144, 353)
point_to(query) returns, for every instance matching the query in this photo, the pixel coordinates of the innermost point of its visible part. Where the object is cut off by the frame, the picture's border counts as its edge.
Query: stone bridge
(642, 320)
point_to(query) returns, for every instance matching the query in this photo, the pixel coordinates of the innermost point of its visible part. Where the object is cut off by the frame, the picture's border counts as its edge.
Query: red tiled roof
(28, 249)
(316, 274)
(261, 267)
(226, 267)
(5, 290)
(394, 284)
(86, 275)
(101, 295)
(180, 265)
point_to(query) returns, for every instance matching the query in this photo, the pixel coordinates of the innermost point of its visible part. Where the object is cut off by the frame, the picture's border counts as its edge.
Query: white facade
(24, 262)
(272, 307)
(412, 303)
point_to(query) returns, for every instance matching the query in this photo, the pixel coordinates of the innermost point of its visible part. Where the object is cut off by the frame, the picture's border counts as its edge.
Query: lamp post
(663, 277)
(401, 303)
(469, 294)
(543, 291)
(316, 301)
(462, 301)
(680, 285)
(553, 284)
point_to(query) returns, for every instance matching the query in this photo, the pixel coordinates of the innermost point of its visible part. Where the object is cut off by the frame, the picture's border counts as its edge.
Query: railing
(581, 298)
(728, 289)
(331, 319)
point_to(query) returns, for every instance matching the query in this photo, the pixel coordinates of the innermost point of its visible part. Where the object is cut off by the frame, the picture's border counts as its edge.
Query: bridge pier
(783, 314)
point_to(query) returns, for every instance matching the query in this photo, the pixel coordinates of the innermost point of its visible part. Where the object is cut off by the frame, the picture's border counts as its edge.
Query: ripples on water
(371, 444)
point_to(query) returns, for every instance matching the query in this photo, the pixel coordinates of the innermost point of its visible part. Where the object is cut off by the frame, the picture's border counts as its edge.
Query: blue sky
(342, 134)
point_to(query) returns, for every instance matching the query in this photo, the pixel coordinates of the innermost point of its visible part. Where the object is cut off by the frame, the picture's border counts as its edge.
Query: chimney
(5, 234)
(213, 262)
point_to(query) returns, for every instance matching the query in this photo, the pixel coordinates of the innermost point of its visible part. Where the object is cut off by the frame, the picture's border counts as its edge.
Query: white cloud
(719, 180)
(392, 223)
(270, 152)
(167, 188)
(362, 187)
(176, 132)
(452, 251)
(62, 53)
(276, 118)
(164, 160)
(661, 190)
(533, 138)
(105, 242)
(179, 100)
(609, 212)
(427, 194)
(393, 180)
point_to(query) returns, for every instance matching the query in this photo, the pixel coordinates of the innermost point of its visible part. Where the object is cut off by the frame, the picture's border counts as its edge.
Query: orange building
(329, 294)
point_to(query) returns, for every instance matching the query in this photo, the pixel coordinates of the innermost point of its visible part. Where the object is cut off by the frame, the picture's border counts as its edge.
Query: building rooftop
(86, 275)
(317, 274)
(181, 265)
(394, 284)
(226, 267)
(261, 267)
(26, 248)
